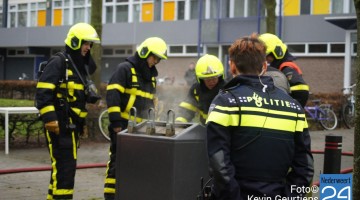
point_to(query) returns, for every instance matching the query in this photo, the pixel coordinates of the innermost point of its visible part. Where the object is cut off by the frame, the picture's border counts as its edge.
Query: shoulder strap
(292, 65)
(67, 59)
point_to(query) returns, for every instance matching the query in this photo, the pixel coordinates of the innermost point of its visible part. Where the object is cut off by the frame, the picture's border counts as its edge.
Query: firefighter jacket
(133, 84)
(292, 72)
(61, 91)
(258, 141)
(198, 100)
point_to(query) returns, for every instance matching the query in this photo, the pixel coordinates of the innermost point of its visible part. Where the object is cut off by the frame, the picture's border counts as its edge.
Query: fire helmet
(208, 66)
(154, 45)
(81, 32)
(273, 45)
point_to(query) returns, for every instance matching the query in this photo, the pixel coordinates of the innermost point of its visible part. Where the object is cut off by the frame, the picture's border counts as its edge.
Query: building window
(337, 7)
(1, 19)
(296, 48)
(225, 9)
(239, 8)
(317, 48)
(122, 13)
(354, 49)
(22, 15)
(107, 51)
(12, 15)
(337, 48)
(180, 8)
(157, 10)
(305, 7)
(120, 51)
(194, 9)
(109, 14)
(175, 49)
(191, 49)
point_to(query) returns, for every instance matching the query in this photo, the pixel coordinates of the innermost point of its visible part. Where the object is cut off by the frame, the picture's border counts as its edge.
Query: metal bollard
(332, 154)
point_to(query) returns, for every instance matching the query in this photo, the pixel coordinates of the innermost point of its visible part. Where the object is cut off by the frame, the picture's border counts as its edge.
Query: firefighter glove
(53, 126)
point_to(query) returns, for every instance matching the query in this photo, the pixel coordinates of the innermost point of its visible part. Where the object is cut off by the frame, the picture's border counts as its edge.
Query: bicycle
(323, 114)
(348, 108)
(104, 123)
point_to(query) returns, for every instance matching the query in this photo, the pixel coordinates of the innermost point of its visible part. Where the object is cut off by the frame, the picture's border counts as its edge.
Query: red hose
(342, 153)
(46, 168)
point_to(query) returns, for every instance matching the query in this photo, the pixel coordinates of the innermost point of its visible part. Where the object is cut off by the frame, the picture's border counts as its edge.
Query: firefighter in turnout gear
(278, 56)
(133, 84)
(210, 79)
(61, 98)
(257, 135)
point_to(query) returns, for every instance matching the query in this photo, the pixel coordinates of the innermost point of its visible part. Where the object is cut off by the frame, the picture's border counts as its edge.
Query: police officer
(257, 135)
(278, 56)
(210, 78)
(133, 84)
(61, 98)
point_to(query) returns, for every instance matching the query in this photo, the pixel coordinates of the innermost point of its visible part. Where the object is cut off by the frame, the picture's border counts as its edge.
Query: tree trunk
(96, 52)
(96, 22)
(356, 172)
(270, 6)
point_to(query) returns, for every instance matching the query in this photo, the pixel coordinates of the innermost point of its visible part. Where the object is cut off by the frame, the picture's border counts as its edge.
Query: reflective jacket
(133, 84)
(261, 148)
(292, 71)
(198, 100)
(53, 91)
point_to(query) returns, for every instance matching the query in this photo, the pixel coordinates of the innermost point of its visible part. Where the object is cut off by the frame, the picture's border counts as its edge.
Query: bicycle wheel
(104, 123)
(348, 114)
(327, 119)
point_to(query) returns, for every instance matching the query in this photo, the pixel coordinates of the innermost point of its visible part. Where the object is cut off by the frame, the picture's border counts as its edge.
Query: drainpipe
(199, 27)
(280, 19)
(48, 12)
(258, 16)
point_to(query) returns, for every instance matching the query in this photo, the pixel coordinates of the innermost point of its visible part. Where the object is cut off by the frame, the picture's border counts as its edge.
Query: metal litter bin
(153, 166)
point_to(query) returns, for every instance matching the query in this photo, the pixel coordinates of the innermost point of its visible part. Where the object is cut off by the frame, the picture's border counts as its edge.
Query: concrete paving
(89, 181)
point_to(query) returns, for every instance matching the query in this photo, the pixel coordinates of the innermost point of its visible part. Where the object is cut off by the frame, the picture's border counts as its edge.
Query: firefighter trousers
(110, 179)
(63, 155)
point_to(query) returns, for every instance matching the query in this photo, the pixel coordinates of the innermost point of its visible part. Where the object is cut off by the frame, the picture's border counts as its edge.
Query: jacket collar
(252, 81)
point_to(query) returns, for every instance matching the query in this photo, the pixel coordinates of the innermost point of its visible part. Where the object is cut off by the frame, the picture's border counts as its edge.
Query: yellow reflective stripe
(63, 191)
(153, 82)
(70, 72)
(188, 106)
(125, 115)
(72, 85)
(223, 119)
(299, 87)
(227, 108)
(114, 109)
(181, 119)
(134, 77)
(110, 180)
(203, 115)
(255, 109)
(78, 112)
(302, 123)
(109, 190)
(116, 86)
(135, 91)
(268, 122)
(45, 85)
(257, 120)
(47, 109)
(74, 143)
